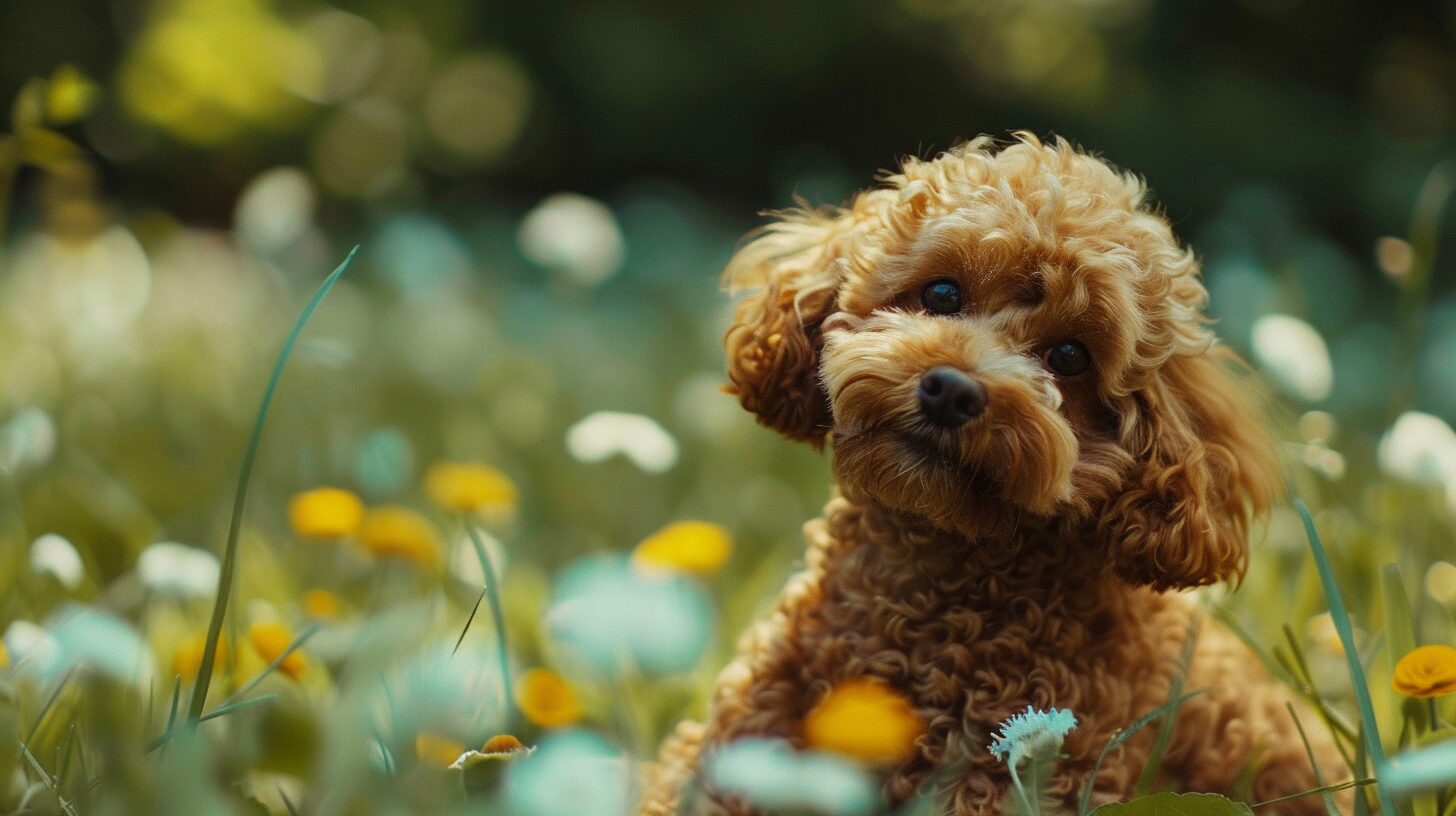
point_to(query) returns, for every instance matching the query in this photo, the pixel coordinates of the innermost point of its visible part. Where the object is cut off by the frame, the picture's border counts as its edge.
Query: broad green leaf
(1177, 804)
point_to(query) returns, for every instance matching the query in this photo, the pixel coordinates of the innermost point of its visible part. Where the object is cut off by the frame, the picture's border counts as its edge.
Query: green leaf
(1177, 804)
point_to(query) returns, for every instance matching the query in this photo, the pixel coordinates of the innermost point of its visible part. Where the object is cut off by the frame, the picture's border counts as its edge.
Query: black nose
(949, 397)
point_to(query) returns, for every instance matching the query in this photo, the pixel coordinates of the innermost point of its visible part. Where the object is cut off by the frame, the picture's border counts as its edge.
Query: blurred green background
(545, 194)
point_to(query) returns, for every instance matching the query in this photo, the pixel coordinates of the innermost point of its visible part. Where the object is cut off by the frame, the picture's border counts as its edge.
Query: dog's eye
(941, 297)
(1068, 358)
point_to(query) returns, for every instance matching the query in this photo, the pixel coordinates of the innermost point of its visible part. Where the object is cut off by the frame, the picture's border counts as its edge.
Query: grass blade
(49, 703)
(293, 646)
(1324, 790)
(288, 803)
(228, 708)
(1369, 731)
(1165, 729)
(1166, 709)
(230, 552)
(468, 621)
(492, 593)
(1319, 780)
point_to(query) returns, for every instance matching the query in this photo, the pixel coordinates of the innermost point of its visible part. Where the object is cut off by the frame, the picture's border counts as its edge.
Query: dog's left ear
(1205, 466)
(792, 270)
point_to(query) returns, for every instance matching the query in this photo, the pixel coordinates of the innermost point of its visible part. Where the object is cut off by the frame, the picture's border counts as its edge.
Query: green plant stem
(230, 552)
(1031, 809)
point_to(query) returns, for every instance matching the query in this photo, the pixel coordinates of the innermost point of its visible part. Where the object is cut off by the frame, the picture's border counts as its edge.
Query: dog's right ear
(792, 269)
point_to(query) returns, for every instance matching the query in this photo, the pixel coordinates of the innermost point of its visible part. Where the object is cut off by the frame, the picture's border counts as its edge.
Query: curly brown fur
(1032, 555)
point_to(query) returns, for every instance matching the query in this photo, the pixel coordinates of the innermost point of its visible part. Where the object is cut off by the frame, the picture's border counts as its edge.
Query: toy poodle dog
(1036, 443)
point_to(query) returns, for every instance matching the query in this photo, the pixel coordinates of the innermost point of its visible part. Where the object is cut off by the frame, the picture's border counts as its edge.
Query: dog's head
(1008, 339)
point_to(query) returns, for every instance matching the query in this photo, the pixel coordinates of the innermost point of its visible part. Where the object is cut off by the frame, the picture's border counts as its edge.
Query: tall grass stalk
(492, 595)
(230, 553)
(1370, 733)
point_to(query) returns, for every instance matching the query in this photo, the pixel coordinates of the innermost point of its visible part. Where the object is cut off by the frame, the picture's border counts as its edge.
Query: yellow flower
(698, 547)
(498, 749)
(436, 749)
(270, 639)
(470, 488)
(501, 744)
(325, 512)
(546, 699)
(4, 655)
(864, 719)
(399, 532)
(1427, 671)
(187, 659)
(321, 603)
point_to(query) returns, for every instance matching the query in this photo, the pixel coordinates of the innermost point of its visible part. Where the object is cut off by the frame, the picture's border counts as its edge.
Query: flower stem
(1031, 809)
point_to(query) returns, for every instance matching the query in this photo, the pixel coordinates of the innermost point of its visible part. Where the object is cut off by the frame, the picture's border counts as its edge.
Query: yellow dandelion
(546, 699)
(321, 604)
(864, 719)
(4, 655)
(437, 750)
(187, 658)
(270, 639)
(1427, 671)
(470, 488)
(697, 547)
(399, 532)
(325, 513)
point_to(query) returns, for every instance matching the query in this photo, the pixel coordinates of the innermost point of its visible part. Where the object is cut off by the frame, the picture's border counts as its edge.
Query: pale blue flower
(621, 619)
(1035, 736)
(1419, 770)
(1032, 734)
(101, 641)
(771, 775)
(571, 773)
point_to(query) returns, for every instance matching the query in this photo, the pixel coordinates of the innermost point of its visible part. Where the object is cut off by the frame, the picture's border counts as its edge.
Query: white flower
(177, 569)
(28, 440)
(575, 234)
(55, 555)
(25, 641)
(602, 434)
(275, 209)
(83, 297)
(1419, 448)
(1294, 355)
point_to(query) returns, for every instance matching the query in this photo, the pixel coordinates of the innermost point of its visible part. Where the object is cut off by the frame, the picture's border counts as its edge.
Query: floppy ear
(1205, 465)
(792, 269)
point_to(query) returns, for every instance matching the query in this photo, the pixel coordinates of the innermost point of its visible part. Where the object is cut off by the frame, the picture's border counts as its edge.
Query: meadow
(468, 525)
